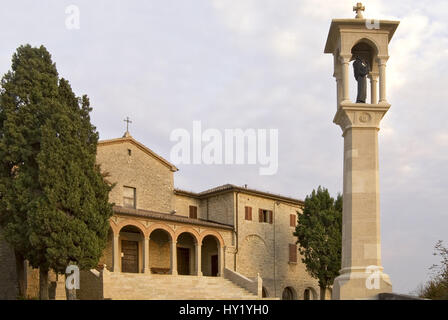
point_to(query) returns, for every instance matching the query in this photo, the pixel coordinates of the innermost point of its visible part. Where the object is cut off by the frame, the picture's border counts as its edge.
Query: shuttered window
(129, 197)
(248, 213)
(193, 212)
(292, 220)
(265, 216)
(292, 253)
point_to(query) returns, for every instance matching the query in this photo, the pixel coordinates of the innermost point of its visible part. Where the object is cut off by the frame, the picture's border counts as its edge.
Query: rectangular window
(292, 220)
(193, 212)
(248, 213)
(293, 253)
(129, 194)
(265, 216)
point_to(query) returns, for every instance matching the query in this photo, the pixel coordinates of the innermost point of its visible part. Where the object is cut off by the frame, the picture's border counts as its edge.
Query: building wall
(151, 178)
(264, 248)
(182, 205)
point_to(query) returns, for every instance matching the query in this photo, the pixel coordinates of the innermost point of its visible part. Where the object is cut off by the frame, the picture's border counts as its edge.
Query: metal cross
(127, 123)
(359, 8)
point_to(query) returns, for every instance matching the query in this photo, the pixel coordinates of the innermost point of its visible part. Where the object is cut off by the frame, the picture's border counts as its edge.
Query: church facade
(160, 232)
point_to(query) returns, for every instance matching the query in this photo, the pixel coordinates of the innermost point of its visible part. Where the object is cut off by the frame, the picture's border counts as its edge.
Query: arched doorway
(186, 254)
(289, 294)
(160, 252)
(264, 293)
(210, 256)
(309, 294)
(131, 239)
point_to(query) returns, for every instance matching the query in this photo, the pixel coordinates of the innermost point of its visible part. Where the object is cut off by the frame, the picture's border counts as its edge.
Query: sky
(260, 64)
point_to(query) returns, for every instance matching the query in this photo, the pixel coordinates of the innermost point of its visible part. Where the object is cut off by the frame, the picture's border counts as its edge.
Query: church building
(229, 242)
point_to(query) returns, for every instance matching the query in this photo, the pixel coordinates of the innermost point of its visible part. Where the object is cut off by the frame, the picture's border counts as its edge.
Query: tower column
(373, 88)
(345, 62)
(382, 67)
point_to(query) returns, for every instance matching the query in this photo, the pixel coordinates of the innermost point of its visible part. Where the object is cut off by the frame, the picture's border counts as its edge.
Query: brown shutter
(292, 220)
(292, 253)
(260, 215)
(246, 213)
(193, 212)
(271, 217)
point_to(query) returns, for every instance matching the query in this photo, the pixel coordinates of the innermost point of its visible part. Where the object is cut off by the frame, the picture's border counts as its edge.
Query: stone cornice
(360, 115)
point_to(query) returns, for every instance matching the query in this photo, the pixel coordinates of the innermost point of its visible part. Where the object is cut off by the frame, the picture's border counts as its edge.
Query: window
(293, 253)
(248, 213)
(193, 212)
(129, 197)
(265, 216)
(292, 220)
(129, 152)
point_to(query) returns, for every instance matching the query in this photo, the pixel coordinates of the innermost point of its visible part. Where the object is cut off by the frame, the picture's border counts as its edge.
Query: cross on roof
(359, 8)
(128, 121)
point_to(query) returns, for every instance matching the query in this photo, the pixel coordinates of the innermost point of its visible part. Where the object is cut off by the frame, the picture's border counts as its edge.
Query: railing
(253, 285)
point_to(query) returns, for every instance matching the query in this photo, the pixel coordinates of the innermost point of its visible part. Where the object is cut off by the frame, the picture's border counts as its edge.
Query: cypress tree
(319, 234)
(54, 201)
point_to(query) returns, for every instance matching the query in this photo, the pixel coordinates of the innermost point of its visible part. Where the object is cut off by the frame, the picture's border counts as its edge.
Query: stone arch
(160, 226)
(211, 233)
(253, 237)
(134, 223)
(369, 41)
(309, 294)
(289, 293)
(193, 232)
(264, 292)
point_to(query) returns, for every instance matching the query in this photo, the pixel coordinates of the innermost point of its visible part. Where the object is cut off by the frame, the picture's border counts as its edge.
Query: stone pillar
(339, 89)
(345, 62)
(198, 251)
(373, 88)
(361, 275)
(174, 257)
(382, 67)
(116, 253)
(146, 255)
(221, 261)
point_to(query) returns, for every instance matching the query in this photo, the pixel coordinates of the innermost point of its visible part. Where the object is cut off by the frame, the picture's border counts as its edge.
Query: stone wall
(152, 179)
(264, 248)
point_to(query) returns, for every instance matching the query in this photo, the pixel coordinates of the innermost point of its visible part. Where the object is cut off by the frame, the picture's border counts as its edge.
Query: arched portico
(131, 246)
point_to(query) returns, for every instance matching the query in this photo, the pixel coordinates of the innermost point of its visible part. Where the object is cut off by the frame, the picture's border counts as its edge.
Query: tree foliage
(437, 287)
(319, 233)
(54, 207)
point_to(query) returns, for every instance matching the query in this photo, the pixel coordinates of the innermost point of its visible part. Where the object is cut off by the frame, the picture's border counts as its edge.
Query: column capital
(382, 60)
(345, 58)
(360, 115)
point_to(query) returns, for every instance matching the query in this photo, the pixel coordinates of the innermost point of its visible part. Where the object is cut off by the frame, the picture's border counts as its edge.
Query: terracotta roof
(233, 188)
(169, 217)
(128, 138)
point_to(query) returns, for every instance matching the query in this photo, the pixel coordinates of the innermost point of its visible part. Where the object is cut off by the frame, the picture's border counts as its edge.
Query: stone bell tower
(361, 276)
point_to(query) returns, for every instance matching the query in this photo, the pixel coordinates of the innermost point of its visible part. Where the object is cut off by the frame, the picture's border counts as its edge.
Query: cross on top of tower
(128, 121)
(359, 8)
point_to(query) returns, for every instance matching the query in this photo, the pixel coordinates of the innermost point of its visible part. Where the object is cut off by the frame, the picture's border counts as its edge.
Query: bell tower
(361, 276)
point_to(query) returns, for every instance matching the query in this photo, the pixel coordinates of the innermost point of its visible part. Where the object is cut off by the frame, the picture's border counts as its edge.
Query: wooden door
(183, 261)
(129, 261)
(215, 265)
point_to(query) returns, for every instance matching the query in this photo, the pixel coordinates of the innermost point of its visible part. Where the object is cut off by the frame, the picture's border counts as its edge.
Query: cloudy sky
(260, 64)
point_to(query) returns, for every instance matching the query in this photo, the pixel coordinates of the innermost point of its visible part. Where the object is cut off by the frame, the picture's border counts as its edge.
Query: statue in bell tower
(361, 69)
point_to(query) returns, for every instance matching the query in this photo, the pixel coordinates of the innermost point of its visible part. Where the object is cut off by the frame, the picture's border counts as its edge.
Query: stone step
(124, 286)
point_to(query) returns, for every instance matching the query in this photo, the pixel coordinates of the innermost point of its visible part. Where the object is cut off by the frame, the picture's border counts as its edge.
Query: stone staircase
(137, 286)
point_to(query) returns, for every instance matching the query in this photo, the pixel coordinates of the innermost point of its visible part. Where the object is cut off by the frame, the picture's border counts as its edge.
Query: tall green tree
(319, 235)
(54, 207)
